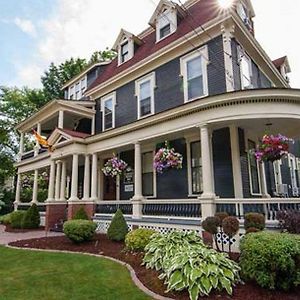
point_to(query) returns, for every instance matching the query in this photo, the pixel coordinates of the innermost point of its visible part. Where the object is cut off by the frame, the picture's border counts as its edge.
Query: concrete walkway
(8, 237)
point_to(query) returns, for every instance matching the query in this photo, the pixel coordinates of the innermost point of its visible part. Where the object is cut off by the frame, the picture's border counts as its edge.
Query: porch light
(225, 4)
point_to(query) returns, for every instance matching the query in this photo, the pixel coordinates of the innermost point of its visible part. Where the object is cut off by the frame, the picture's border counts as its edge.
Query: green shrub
(16, 218)
(31, 218)
(79, 231)
(5, 219)
(255, 220)
(186, 263)
(80, 214)
(271, 259)
(136, 240)
(118, 228)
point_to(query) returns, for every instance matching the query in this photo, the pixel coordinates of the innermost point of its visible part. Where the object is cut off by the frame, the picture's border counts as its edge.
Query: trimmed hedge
(79, 231)
(16, 218)
(137, 240)
(118, 228)
(255, 220)
(80, 214)
(31, 218)
(271, 259)
(5, 219)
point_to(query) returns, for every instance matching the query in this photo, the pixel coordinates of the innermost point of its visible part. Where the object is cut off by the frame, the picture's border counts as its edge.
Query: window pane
(124, 48)
(195, 78)
(164, 31)
(195, 87)
(147, 162)
(108, 121)
(246, 77)
(145, 90)
(108, 106)
(145, 106)
(147, 170)
(196, 165)
(145, 98)
(108, 113)
(194, 67)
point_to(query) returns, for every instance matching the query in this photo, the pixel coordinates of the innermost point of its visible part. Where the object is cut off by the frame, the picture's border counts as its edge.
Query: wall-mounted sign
(128, 176)
(128, 188)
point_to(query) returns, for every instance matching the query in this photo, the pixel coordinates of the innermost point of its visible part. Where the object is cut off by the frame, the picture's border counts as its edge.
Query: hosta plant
(186, 263)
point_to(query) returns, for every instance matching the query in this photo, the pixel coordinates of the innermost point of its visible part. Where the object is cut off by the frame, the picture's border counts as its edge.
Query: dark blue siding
(93, 74)
(222, 163)
(173, 184)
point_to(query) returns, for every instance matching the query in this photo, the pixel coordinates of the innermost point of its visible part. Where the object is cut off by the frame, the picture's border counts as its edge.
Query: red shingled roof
(76, 134)
(202, 12)
(279, 61)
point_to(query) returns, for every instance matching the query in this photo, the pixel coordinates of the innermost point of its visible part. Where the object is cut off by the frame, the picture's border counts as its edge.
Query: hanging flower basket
(273, 147)
(166, 158)
(114, 166)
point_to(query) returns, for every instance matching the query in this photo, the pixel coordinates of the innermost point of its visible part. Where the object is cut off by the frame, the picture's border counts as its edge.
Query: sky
(34, 33)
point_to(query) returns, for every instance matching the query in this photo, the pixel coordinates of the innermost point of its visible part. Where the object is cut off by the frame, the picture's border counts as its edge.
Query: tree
(99, 56)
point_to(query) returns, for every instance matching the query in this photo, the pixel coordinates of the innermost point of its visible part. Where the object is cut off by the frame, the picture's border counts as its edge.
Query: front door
(109, 184)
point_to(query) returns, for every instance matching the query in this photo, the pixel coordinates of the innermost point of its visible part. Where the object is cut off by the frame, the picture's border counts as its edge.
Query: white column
(94, 177)
(35, 186)
(208, 195)
(93, 125)
(21, 151)
(74, 180)
(263, 181)
(63, 181)
(18, 191)
(60, 119)
(86, 183)
(51, 181)
(236, 162)
(138, 196)
(68, 187)
(57, 180)
(37, 145)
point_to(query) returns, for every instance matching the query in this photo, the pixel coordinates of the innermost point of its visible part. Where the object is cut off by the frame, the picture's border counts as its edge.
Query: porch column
(236, 163)
(74, 180)
(86, 183)
(94, 177)
(57, 180)
(37, 145)
(93, 125)
(35, 186)
(263, 181)
(60, 119)
(208, 195)
(138, 196)
(63, 181)
(51, 181)
(18, 192)
(21, 150)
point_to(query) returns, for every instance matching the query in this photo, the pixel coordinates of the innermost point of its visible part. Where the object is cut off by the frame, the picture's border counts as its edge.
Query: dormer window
(124, 52)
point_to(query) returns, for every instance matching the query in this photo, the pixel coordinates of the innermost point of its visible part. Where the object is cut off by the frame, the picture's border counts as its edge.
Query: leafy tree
(99, 56)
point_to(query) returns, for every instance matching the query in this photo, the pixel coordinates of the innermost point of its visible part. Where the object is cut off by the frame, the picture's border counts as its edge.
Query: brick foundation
(55, 213)
(73, 208)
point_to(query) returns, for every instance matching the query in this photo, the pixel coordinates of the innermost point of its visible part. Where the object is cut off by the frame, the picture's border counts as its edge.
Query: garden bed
(101, 245)
(8, 228)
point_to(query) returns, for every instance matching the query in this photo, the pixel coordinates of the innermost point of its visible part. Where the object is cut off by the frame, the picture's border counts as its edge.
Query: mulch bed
(101, 245)
(8, 228)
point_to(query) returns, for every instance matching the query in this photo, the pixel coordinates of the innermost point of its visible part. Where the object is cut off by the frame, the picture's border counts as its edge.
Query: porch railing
(25, 206)
(110, 207)
(267, 206)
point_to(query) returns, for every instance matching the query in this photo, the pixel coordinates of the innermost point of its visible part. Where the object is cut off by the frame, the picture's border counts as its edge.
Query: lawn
(38, 275)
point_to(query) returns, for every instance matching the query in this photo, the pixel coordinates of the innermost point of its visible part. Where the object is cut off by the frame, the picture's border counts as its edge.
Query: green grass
(39, 275)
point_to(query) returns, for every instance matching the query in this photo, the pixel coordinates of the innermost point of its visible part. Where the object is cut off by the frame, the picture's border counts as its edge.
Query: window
(196, 168)
(145, 95)
(124, 52)
(72, 92)
(253, 169)
(77, 91)
(245, 70)
(148, 175)
(194, 72)
(108, 111)
(166, 24)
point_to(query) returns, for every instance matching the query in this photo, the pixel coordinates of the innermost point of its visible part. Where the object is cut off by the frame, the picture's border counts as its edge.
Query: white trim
(82, 84)
(241, 56)
(111, 96)
(130, 54)
(200, 52)
(277, 175)
(149, 77)
(169, 17)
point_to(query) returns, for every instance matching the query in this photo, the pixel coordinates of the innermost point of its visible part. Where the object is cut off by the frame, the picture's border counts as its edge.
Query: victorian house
(196, 78)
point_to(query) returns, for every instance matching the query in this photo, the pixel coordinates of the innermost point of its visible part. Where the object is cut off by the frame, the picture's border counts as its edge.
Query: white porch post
(236, 163)
(18, 192)
(37, 145)
(208, 195)
(74, 180)
(35, 186)
(51, 181)
(57, 180)
(21, 149)
(60, 119)
(138, 196)
(63, 181)
(93, 125)
(94, 177)
(263, 181)
(86, 183)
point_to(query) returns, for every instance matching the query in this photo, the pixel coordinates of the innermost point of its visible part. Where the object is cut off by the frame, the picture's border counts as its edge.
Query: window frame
(200, 52)
(149, 77)
(243, 55)
(171, 15)
(111, 96)
(130, 53)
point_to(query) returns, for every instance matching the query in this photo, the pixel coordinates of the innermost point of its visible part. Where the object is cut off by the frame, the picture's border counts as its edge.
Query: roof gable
(61, 136)
(126, 35)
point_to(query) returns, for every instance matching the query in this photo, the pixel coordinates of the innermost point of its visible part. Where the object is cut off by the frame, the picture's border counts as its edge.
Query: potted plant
(114, 167)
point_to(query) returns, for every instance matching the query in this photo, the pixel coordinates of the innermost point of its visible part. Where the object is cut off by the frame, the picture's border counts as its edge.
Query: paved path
(8, 237)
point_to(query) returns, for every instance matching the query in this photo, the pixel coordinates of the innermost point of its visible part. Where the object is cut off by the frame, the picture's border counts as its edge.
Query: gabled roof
(281, 61)
(123, 33)
(59, 136)
(161, 5)
(202, 12)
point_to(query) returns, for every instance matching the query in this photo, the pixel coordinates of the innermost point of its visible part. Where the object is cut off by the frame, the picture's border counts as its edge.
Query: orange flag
(42, 141)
